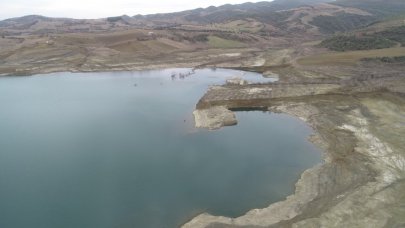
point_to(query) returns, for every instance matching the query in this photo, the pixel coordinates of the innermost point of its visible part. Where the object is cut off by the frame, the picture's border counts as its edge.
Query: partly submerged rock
(214, 118)
(236, 81)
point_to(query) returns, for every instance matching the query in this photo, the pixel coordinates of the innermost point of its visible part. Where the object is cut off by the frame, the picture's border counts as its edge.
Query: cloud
(98, 9)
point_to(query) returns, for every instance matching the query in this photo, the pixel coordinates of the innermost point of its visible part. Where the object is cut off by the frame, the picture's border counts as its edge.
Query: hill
(378, 8)
(277, 18)
(209, 35)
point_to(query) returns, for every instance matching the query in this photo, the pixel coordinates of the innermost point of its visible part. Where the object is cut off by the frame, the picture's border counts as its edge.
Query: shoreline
(354, 166)
(106, 69)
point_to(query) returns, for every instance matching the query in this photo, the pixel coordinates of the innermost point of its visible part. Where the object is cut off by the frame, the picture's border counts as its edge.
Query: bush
(342, 22)
(351, 43)
(396, 34)
(398, 59)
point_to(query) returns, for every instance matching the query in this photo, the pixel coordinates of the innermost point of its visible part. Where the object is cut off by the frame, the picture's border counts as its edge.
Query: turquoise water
(104, 150)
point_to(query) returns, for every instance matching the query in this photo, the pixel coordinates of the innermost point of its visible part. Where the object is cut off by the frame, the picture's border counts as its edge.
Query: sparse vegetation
(350, 57)
(384, 39)
(378, 8)
(396, 59)
(396, 34)
(352, 43)
(234, 36)
(342, 22)
(193, 38)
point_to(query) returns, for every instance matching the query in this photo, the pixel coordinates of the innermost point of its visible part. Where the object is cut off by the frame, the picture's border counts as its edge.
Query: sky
(98, 8)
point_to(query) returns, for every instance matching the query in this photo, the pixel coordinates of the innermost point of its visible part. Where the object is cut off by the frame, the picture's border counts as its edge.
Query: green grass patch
(217, 42)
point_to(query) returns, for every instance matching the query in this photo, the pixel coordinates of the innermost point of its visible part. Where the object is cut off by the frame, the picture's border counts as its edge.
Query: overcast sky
(100, 8)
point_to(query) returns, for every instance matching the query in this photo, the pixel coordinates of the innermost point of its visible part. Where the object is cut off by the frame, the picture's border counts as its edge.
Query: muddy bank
(360, 182)
(21, 71)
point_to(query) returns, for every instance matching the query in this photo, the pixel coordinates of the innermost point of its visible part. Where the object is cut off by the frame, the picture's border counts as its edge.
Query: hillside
(389, 37)
(376, 7)
(277, 18)
(261, 11)
(201, 36)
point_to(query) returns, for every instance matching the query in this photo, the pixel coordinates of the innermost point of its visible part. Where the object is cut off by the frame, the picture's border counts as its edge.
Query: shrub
(350, 43)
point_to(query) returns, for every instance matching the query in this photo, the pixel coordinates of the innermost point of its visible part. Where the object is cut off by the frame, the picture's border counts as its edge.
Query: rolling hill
(277, 18)
(207, 34)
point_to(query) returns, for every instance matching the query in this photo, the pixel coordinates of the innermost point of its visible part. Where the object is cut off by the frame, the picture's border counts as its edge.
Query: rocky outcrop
(214, 118)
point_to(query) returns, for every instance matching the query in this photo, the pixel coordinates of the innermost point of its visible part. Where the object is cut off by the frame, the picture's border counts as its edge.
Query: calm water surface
(112, 150)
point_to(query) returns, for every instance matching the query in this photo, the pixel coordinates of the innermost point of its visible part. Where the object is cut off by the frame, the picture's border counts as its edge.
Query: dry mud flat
(361, 181)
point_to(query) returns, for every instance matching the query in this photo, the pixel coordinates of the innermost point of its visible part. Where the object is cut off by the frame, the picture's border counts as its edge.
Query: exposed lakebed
(120, 149)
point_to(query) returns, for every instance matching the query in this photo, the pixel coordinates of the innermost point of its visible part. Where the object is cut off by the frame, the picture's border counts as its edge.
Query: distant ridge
(278, 18)
(275, 5)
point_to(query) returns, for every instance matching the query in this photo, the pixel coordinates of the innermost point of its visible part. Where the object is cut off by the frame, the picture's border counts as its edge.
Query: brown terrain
(226, 35)
(353, 99)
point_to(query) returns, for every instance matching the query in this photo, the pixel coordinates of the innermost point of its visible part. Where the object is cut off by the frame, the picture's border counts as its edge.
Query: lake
(112, 150)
